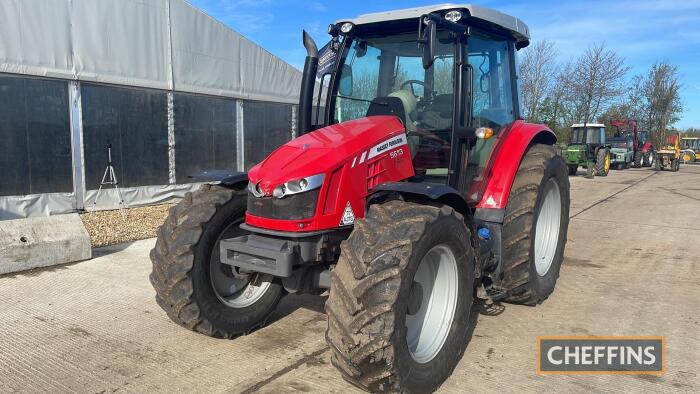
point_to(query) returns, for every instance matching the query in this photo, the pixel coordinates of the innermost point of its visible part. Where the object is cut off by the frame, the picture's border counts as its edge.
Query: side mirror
(345, 83)
(428, 42)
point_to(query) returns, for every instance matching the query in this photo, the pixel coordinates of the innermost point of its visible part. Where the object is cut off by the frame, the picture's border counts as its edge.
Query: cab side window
(492, 83)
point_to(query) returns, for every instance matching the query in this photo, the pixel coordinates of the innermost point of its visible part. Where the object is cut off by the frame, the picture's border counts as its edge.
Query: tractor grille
(292, 207)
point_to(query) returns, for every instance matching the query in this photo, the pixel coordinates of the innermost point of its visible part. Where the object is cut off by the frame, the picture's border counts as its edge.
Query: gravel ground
(111, 227)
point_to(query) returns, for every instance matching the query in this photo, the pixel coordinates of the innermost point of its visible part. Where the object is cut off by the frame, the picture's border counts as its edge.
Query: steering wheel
(411, 82)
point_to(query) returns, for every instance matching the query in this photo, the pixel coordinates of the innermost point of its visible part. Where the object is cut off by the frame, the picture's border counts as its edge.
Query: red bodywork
(645, 146)
(357, 155)
(503, 163)
(352, 157)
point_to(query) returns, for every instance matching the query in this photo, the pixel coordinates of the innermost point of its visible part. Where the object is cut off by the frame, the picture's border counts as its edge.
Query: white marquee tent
(172, 90)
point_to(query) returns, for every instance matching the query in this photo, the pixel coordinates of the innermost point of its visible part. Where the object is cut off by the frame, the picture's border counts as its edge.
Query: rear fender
(506, 159)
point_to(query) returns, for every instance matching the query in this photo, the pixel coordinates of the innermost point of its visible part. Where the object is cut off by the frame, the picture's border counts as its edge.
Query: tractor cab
(592, 135)
(690, 147)
(446, 72)
(588, 148)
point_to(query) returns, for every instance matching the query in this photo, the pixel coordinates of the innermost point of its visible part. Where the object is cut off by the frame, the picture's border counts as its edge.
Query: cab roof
(515, 26)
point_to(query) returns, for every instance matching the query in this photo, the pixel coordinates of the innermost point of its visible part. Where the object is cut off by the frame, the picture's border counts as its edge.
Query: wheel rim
(432, 303)
(547, 228)
(232, 288)
(606, 164)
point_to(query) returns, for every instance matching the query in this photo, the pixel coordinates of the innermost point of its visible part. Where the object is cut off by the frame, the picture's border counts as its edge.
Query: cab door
(493, 104)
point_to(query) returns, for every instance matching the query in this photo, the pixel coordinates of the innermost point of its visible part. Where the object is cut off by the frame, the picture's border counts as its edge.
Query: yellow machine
(690, 149)
(669, 156)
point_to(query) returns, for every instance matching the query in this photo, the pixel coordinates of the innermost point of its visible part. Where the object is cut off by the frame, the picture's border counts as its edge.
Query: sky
(642, 31)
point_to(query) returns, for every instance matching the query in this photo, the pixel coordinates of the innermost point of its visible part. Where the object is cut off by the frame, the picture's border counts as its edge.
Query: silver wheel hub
(232, 288)
(548, 223)
(432, 303)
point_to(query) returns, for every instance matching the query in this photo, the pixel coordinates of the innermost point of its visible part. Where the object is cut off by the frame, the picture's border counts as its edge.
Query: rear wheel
(638, 159)
(535, 227)
(194, 288)
(602, 165)
(401, 293)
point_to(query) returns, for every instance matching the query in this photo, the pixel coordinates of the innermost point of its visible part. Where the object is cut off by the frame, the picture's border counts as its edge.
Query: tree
(593, 82)
(661, 89)
(537, 72)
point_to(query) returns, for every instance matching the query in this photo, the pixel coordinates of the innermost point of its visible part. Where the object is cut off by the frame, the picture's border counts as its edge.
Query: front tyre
(603, 161)
(535, 226)
(649, 159)
(401, 293)
(194, 288)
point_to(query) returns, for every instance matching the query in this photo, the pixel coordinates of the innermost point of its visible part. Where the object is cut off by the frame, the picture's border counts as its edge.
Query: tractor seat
(401, 103)
(438, 114)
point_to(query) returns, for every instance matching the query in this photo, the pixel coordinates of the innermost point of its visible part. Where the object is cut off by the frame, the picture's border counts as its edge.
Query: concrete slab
(631, 269)
(42, 241)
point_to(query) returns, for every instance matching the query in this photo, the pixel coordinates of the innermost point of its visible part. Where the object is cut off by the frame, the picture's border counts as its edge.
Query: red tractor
(643, 149)
(421, 184)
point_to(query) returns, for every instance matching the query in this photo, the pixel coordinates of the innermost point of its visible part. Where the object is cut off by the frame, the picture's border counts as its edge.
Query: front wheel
(573, 169)
(401, 293)
(649, 159)
(603, 161)
(535, 226)
(194, 288)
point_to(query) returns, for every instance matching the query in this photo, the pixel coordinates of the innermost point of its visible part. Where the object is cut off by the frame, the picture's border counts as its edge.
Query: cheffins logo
(601, 355)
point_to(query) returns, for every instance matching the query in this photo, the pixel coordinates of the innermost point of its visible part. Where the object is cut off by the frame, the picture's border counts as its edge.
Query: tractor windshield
(378, 68)
(587, 135)
(385, 75)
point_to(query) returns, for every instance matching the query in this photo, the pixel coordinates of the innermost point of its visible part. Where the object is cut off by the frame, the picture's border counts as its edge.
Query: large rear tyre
(194, 288)
(400, 298)
(535, 226)
(602, 164)
(638, 159)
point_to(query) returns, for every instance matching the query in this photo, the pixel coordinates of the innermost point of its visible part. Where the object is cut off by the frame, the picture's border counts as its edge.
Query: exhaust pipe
(308, 80)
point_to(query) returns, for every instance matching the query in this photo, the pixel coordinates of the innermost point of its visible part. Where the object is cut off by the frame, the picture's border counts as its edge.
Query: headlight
(298, 186)
(255, 190)
(346, 27)
(453, 16)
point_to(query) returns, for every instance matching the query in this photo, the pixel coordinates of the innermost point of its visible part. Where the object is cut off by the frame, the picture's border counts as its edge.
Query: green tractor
(622, 151)
(588, 149)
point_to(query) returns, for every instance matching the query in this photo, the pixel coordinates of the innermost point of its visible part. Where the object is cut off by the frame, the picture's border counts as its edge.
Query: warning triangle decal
(348, 216)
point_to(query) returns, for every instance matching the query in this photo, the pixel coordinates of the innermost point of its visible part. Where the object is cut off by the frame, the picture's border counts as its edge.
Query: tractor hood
(322, 150)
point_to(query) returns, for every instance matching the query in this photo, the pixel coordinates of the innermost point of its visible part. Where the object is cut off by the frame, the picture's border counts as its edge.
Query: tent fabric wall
(161, 44)
(173, 90)
(221, 62)
(35, 143)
